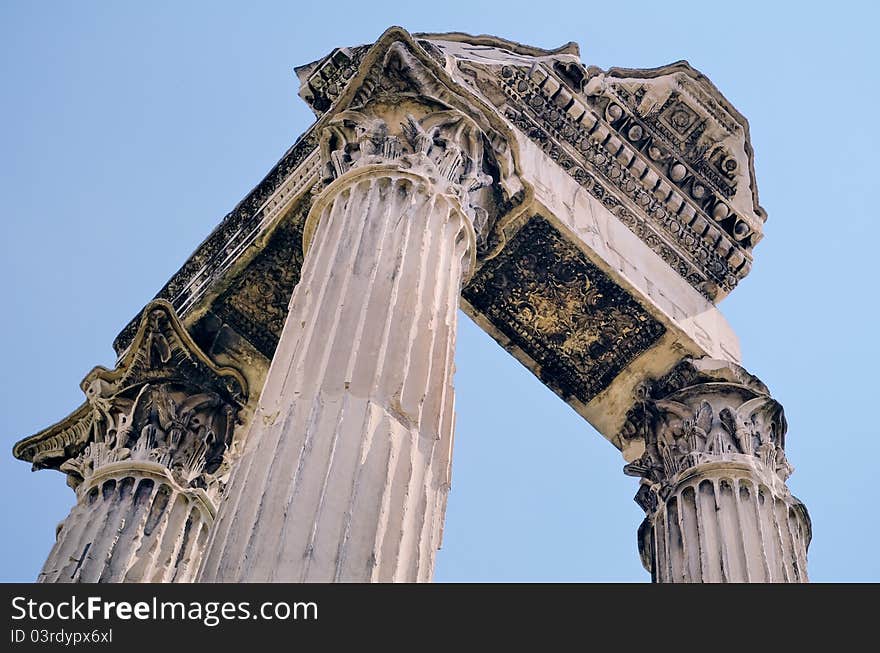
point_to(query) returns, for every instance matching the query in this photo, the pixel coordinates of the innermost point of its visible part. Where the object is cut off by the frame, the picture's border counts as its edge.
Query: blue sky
(129, 129)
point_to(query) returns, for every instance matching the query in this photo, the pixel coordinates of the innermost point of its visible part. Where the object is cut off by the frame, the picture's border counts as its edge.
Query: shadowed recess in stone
(256, 305)
(581, 328)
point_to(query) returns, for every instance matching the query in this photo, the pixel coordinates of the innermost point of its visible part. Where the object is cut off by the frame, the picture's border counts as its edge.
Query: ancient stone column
(146, 455)
(346, 469)
(713, 471)
(132, 523)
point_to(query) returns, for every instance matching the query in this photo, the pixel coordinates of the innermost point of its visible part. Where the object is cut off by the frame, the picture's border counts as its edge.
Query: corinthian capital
(398, 103)
(703, 411)
(165, 408)
(445, 146)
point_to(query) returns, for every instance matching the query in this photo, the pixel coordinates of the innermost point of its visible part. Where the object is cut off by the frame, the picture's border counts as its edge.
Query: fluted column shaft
(722, 523)
(131, 524)
(346, 469)
(147, 456)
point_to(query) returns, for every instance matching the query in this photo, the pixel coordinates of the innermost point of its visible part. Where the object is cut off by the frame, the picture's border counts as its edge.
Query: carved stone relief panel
(561, 310)
(256, 304)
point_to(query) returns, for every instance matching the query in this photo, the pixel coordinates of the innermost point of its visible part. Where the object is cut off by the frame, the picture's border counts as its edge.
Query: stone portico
(283, 410)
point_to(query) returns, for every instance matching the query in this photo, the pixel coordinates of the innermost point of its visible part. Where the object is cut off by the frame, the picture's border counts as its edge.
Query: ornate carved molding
(322, 81)
(686, 116)
(256, 304)
(165, 402)
(661, 148)
(468, 138)
(703, 411)
(562, 311)
(445, 147)
(663, 199)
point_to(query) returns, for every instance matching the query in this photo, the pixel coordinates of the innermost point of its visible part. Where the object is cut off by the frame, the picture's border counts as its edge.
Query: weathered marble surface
(148, 455)
(605, 214)
(713, 470)
(346, 469)
(630, 212)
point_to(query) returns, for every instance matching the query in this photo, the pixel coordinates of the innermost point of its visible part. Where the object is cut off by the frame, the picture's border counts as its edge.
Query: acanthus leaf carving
(165, 402)
(696, 415)
(415, 113)
(443, 145)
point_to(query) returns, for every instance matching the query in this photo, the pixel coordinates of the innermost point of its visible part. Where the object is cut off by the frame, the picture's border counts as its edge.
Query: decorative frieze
(322, 81)
(615, 157)
(255, 305)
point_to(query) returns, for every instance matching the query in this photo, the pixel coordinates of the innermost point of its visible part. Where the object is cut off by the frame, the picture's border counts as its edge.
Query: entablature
(600, 163)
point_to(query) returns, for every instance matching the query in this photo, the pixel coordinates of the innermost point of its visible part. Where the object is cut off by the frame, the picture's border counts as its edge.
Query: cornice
(611, 153)
(488, 40)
